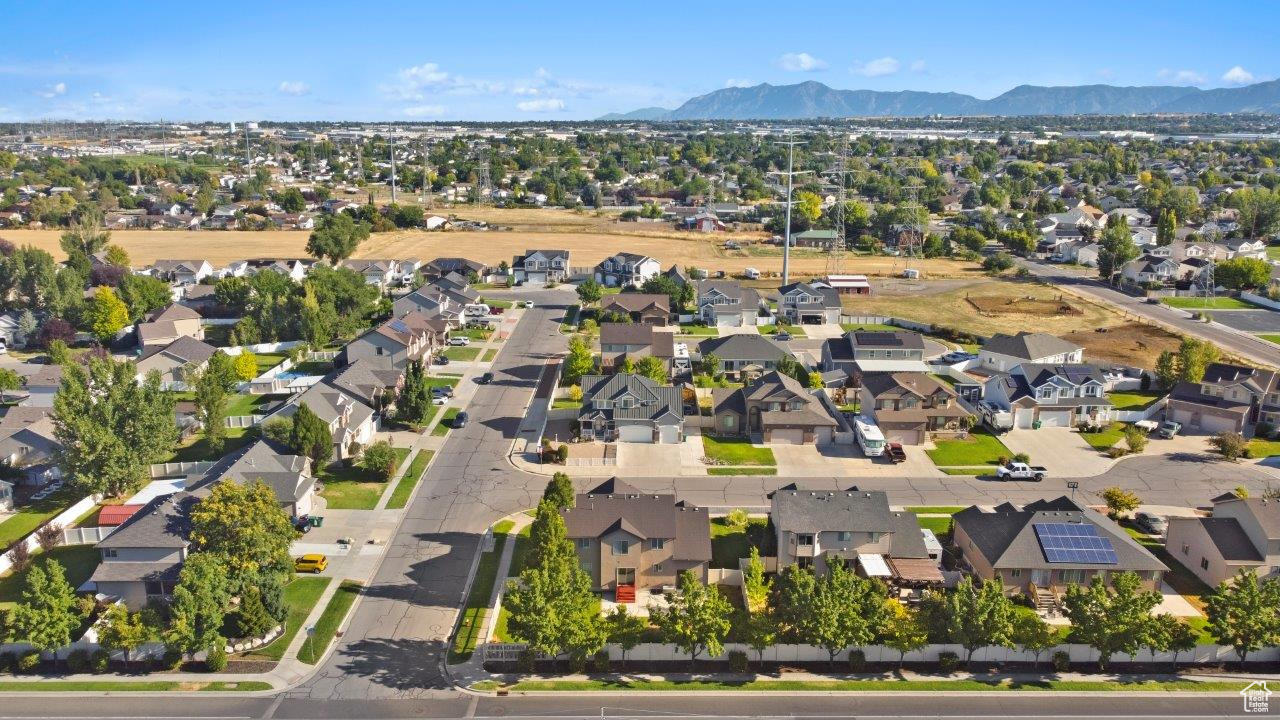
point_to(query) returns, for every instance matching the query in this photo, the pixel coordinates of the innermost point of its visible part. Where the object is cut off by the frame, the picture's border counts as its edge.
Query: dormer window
(1045, 393)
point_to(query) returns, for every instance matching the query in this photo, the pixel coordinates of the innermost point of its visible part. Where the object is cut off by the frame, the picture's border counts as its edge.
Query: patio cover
(874, 565)
(916, 570)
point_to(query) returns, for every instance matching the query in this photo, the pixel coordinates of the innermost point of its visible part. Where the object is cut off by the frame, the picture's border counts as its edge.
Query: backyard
(979, 448)
(28, 517)
(730, 543)
(247, 404)
(196, 448)
(736, 451)
(78, 561)
(1134, 399)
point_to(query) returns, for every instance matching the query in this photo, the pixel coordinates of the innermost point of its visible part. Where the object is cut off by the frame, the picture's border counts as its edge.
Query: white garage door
(729, 319)
(669, 434)
(1055, 418)
(906, 437)
(787, 436)
(822, 436)
(1212, 424)
(635, 433)
(1023, 418)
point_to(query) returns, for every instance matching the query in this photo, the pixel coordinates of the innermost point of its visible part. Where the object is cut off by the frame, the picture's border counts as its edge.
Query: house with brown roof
(163, 326)
(1229, 398)
(775, 407)
(629, 541)
(910, 407)
(619, 341)
(640, 307)
(1240, 534)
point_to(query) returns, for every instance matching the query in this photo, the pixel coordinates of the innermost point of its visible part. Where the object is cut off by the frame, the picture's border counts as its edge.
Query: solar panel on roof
(1074, 543)
(399, 326)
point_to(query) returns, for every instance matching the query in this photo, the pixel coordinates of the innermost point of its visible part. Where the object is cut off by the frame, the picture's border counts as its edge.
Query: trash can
(316, 520)
(1035, 425)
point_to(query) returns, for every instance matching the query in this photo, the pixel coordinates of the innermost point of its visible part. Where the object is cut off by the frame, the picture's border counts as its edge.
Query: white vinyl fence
(85, 535)
(180, 469)
(61, 520)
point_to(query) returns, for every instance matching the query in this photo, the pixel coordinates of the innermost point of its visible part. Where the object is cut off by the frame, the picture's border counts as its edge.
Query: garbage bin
(1035, 425)
(316, 520)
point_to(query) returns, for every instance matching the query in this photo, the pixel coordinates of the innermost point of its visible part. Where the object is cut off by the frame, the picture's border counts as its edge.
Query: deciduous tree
(125, 631)
(336, 237)
(696, 618)
(1244, 613)
(246, 529)
(978, 616)
(559, 491)
(105, 314)
(199, 605)
(1110, 619)
(48, 612)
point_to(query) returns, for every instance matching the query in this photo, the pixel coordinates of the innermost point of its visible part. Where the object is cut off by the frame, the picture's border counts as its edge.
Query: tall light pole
(791, 174)
(393, 164)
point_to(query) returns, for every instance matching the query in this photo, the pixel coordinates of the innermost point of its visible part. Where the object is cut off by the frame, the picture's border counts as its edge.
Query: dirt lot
(1128, 344)
(1022, 305)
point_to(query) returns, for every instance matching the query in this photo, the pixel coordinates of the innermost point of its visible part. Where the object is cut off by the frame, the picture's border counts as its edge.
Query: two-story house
(410, 337)
(448, 265)
(1241, 534)
(175, 361)
(181, 272)
(28, 445)
(538, 267)
(142, 557)
(620, 341)
(1051, 395)
(805, 304)
(815, 527)
(775, 407)
(859, 351)
(380, 273)
(911, 408)
(626, 270)
(630, 408)
(723, 303)
(1229, 398)
(352, 423)
(373, 381)
(1004, 352)
(1151, 269)
(628, 541)
(288, 475)
(742, 355)
(640, 307)
(169, 323)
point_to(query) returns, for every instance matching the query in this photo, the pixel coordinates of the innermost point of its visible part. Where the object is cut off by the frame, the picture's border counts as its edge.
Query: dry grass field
(1128, 344)
(1022, 305)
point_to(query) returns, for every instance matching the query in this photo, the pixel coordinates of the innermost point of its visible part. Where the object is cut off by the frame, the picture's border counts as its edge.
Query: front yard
(692, 329)
(796, 331)
(1106, 438)
(736, 451)
(462, 353)
(300, 596)
(979, 448)
(353, 488)
(1200, 303)
(443, 427)
(1263, 448)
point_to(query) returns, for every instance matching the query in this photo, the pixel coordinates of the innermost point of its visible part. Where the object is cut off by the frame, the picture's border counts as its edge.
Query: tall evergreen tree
(311, 436)
(414, 402)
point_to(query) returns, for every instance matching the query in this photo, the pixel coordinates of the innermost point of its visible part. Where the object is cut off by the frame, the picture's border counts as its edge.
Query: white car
(459, 340)
(439, 400)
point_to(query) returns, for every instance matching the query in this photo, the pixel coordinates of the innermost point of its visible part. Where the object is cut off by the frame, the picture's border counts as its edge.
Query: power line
(791, 174)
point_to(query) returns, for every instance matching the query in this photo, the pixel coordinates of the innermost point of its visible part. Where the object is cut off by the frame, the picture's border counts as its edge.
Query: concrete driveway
(823, 332)
(847, 461)
(1062, 450)
(646, 458)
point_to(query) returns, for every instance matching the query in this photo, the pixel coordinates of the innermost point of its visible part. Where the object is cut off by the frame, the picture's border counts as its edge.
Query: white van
(751, 273)
(870, 439)
(476, 310)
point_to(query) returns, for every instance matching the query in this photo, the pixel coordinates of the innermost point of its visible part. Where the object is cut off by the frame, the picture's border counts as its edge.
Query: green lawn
(197, 448)
(794, 330)
(247, 404)
(462, 354)
(473, 333)
(32, 515)
(966, 471)
(939, 525)
(1109, 436)
(520, 549)
(404, 488)
(1134, 399)
(504, 304)
(350, 488)
(1261, 447)
(980, 448)
(314, 367)
(300, 597)
(742, 471)
(266, 361)
(489, 355)
(565, 403)
(868, 326)
(729, 544)
(1199, 303)
(1182, 580)
(692, 329)
(78, 561)
(736, 451)
(875, 685)
(1273, 252)
(475, 615)
(935, 509)
(1271, 338)
(327, 626)
(443, 427)
(99, 686)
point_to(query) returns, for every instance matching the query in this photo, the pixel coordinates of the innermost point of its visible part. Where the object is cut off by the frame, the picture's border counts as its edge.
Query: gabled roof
(1029, 346)
(643, 517)
(815, 511)
(828, 296)
(885, 339)
(1255, 380)
(1077, 374)
(1265, 512)
(165, 522)
(288, 475)
(747, 297)
(635, 302)
(743, 347)
(171, 313)
(652, 401)
(919, 384)
(366, 377)
(660, 344)
(185, 349)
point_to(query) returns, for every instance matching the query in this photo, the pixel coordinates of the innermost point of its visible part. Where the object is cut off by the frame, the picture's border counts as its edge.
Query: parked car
(302, 523)
(896, 453)
(495, 311)
(460, 420)
(1021, 471)
(439, 400)
(311, 562)
(442, 360)
(485, 379)
(1152, 524)
(442, 390)
(528, 303)
(782, 336)
(1169, 428)
(459, 340)
(957, 356)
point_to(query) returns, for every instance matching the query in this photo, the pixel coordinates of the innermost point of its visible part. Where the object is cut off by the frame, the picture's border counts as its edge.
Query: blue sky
(236, 60)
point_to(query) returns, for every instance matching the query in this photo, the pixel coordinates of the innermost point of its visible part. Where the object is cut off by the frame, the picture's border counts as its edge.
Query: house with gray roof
(403, 338)
(352, 423)
(1003, 352)
(630, 408)
(815, 527)
(369, 380)
(538, 267)
(380, 273)
(724, 303)
(619, 341)
(142, 557)
(288, 475)
(640, 307)
(1240, 534)
(862, 351)
(175, 361)
(629, 541)
(626, 270)
(911, 408)
(1041, 548)
(169, 323)
(28, 444)
(743, 355)
(801, 303)
(1229, 398)
(775, 408)
(442, 266)
(1049, 395)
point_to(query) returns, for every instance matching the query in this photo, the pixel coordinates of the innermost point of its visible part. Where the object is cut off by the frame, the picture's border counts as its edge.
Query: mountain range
(814, 100)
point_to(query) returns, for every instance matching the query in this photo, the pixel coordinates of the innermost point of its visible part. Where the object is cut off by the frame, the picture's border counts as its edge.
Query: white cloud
(877, 68)
(918, 66)
(54, 91)
(424, 111)
(801, 62)
(1182, 77)
(548, 105)
(1237, 76)
(293, 88)
(738, 83)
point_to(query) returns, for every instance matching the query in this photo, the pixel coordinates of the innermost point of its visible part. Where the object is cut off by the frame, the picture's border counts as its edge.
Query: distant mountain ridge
(813, 99)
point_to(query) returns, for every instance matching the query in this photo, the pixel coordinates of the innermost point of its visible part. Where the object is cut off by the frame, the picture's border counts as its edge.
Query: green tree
(1033, 635)
(48, 612)
(1120, 501)
(336, 237)
(199, 605)
(815, 381)
(84, 238)
(653, 368)
(1110, 619)
(1243, 273)
(559, 491)
(1194, 357)
(10, 380)
(27, 326)
(624, 629)
(1182, 637)
(756, 586)
(380, 460)
(413, 405)
(1244, 612)
(246, 529)
(904, 631)
(311, 437)
(59, 353)
(1115, 247)
(711, 364)
(125, 631)
(143, 294)
(209, 392)
(580, 361)
(1231, 445)
(111, 428)
(1167, 228)
(246, 365)
(117, 256)
(590, 292)
(696, 618)
(251, 619)
(1135, 439)
(105, 314)
(808, 206)
(1167, 369)
(978, 616)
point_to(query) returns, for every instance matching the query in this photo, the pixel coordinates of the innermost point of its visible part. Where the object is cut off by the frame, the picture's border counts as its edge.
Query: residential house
(1004, 352)
(640, 307)
(742, 355)
(626, 270)
(163, 326)
(1240, 534)
(859, 351)
(352, 423)
(142, 557)
(379, 273)
(814, 239)
(628, 541)
(1229, 398)
(1052, 395)
(911, 407)
(40, 383)
(775, 407)
(846, 284)
(182, 272)
(174, 361)
(1044, 546)
(807, 304)
(288, 475)
(373, 381)
(619, 341)
(724, 303)
(538, 267)
(630, 408)
(408, 337)
(853, 527)
(1150, 269)
(28, 445)
(10, 332)
(1080, 252)
(448, 265)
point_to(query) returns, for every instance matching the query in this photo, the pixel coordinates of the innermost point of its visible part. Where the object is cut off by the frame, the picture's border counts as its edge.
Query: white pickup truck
(1021, 471)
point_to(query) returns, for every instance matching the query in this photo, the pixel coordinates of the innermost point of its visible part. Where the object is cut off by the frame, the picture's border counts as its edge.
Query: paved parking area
(1254, 321)
(1062, 450)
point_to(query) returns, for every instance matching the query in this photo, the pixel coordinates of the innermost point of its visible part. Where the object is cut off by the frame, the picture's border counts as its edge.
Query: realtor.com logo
(1256, 697)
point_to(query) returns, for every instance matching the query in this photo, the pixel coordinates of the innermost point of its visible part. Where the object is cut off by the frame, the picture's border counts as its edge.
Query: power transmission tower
(484, 184)
(426, 180)
(791, 174)
(248, 162)
(1210, 283)
(840, 172)
(393, 164)
(915, 236)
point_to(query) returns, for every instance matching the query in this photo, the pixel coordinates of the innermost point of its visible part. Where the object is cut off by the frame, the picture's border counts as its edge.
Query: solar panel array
(399, 326)
(1074, 543)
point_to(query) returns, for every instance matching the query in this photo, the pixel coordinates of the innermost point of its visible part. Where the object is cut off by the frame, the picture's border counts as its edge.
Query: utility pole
(426, 189)
(393, 164)
(247, 161)
(791, 174)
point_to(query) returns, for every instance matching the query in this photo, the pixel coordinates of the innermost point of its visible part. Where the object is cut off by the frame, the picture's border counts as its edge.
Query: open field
(1128, 343)
(1023, 305)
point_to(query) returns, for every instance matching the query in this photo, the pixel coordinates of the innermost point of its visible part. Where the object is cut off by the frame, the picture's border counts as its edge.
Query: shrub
(20, 557)
(857, 661)
(78, 661)
(1116, 452)
(600, 662)
(1264, 429)
(737, 661)
(216, 660)
(1135, 439)
(28, 662)
(8, 662)
(100, 661)
(49, 536)
(1022, 458)
(737, 519)
(577, 662)
(170, 660)
(380, 460)
(562, 454)
(1231, 445)
(1061, 661)
(948, 662)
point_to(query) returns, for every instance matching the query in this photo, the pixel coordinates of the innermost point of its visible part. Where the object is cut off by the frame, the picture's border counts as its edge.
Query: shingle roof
(288, 475)
(184, 349)
(1029, 345)
(1231, 540)
(366, 377)
(635, 302)
(644, 516)
(892, 339)
(814, 511)
(743, 347)
(173, 312)
(164, 523)
(652, 401)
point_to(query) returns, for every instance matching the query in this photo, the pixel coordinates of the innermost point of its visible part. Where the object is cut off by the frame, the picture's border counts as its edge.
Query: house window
(657, 543)
(875, 537)
(657, 567)
(619, 547)
(1015, 572)
(583, 543)
(844, 536)
(804, 540)
(110, 553)
(1072, 577)
(381, 351)
(1204, 563)
(728, 422)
